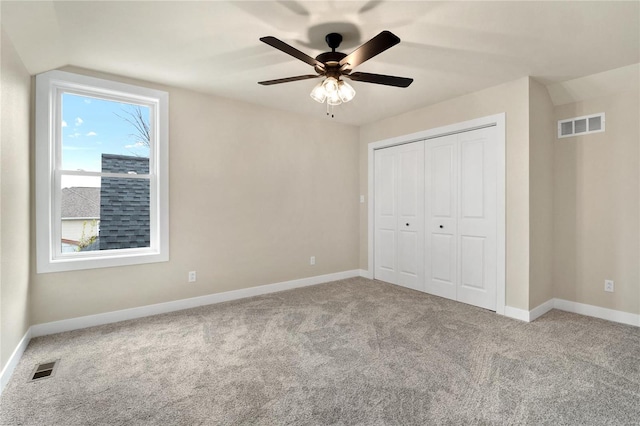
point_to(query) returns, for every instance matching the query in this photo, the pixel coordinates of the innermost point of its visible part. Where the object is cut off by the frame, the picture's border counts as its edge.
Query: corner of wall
(541, 138)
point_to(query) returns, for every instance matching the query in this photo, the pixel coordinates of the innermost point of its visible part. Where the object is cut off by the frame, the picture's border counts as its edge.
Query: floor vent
(44, 370)
(581, 125)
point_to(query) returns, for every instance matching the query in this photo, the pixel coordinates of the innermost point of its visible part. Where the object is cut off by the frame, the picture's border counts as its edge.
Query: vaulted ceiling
(449, 48)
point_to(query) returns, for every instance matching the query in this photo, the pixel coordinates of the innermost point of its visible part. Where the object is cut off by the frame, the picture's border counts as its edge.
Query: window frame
(48, 127)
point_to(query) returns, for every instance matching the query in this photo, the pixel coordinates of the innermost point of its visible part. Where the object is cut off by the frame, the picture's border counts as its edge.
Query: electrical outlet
(362, 198)
(192, 276)
(312, 260)
(608, 285)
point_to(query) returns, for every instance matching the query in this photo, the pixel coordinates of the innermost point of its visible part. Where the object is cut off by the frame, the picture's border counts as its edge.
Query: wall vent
(581, 125)
(43, 371)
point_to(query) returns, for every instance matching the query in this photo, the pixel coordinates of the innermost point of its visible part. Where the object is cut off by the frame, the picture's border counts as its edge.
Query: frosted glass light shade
(330, 85)
(334, 99)
(333, 91)
(345, 91)
(318, 93)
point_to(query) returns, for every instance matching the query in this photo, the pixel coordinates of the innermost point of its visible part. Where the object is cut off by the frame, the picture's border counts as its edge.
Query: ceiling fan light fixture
(334, 65)
(318, 93)
(330, 85)
(345, 91)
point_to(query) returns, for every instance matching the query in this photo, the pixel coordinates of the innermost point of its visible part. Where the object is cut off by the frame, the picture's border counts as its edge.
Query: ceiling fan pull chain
(330, 109)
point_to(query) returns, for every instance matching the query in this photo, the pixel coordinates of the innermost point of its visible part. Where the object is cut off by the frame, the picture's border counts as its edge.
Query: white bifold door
(459, 250)
(399, 215)
(460, 211)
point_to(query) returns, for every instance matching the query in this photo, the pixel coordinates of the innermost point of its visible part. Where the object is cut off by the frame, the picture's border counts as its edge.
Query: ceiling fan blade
(373, 47)
(288, 79)
(387, 80)
(290, 50)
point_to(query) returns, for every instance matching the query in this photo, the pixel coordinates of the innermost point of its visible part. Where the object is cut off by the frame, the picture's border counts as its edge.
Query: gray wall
(596, 206)
(254, 192)
(15, 89)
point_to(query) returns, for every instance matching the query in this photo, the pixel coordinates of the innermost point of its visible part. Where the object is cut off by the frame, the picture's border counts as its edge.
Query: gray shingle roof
(80, 202)
(124, 204)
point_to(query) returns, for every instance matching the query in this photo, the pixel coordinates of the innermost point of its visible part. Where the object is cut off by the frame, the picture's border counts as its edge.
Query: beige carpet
(349, 352)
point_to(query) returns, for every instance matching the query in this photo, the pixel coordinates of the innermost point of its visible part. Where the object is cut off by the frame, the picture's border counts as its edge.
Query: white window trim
(49, 87)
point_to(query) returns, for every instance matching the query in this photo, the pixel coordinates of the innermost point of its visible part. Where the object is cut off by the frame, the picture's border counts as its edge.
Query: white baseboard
(574, 307)
(365, 274)
(542, 309)
(7, 371)
(178, 305)
(516, 313)
(597, 312)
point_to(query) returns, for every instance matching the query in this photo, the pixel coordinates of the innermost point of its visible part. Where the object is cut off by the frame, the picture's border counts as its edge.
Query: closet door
(399, 215)
(385, 215)
(441, 185)
(477, 192)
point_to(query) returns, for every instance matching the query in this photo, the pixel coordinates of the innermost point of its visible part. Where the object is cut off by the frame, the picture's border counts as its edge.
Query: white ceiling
(449, 48)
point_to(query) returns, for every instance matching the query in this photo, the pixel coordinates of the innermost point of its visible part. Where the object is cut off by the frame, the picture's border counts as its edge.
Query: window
(101, 173)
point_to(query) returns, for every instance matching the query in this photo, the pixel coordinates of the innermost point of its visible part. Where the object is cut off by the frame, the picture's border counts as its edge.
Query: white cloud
(64, 123)
(79, 121)
(87, 101)
(138, 144)
(75, 135)
(91, 134)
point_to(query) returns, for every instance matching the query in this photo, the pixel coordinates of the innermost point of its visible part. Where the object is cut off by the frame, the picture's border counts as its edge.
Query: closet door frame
(497, 120)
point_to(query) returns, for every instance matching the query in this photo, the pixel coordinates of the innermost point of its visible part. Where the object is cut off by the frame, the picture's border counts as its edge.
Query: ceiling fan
(334, 65)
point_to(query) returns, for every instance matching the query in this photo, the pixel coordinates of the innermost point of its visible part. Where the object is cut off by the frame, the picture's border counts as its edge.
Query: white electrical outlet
(362, 198)
(312, 260)
(608, 285)
(192, 276)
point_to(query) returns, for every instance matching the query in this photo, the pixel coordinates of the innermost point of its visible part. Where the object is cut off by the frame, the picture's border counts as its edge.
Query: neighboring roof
(112, 163)
(80, 202)
(124, 204)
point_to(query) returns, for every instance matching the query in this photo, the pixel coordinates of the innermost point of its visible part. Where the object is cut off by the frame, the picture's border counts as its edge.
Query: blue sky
(90, 127)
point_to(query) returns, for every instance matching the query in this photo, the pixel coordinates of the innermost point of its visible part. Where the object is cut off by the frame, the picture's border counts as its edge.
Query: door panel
(472, 178)
(385, 185)
(411, 215)
(410, 167)
(440, 215)
(399, 215)
(477, 262)
(386, 260)
(442, 261)
(385, 216)
(472, 262)
(442, 175)
(408, 262)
